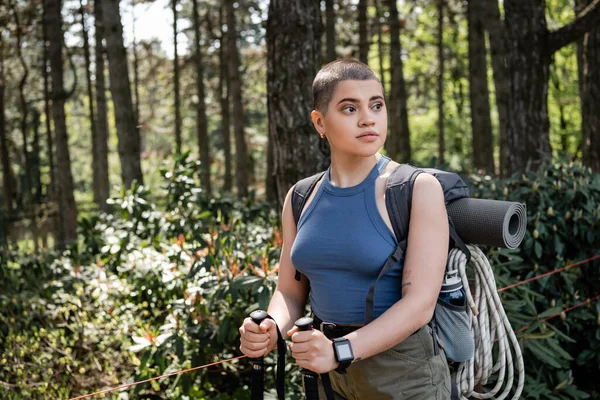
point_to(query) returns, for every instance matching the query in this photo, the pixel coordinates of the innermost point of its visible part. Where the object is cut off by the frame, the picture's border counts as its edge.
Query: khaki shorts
(407, 371)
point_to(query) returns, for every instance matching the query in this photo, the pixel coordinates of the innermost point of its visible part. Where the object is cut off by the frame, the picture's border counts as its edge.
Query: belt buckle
(324, 324)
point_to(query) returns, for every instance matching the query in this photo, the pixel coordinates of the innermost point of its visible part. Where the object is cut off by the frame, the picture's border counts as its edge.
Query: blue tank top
(341, 246)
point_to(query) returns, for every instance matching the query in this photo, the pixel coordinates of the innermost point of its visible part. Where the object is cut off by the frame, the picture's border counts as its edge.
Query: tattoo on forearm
(406, 284)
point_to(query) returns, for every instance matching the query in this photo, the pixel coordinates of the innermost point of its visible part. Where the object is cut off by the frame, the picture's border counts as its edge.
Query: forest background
(142, 178)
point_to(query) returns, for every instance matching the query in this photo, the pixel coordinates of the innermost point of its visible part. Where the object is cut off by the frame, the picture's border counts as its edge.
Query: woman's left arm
(422, 276)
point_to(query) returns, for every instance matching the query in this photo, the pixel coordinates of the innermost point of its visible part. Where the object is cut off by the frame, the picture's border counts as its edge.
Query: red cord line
(154, 379)
(548, 273)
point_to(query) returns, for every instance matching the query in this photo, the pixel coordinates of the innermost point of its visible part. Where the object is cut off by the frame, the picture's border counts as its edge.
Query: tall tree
(55, 224)
(127, 132)
(100, 143)
(531, 50)
(380, 51)
(68, 210)
(88, 79)
(241, 148)
(440, 83)
(293, 58)
(24, 107)
(588, 59)
(363, 33)
(176, 81)
(481, 123)
(201, 121)
(224, 98)
(398, 145)
(499, 57)
(330, 30)
(136, 79)
(101, 134)
(7, 192)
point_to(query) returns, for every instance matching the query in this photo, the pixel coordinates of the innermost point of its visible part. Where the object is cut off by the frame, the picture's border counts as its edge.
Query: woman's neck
(348, 171)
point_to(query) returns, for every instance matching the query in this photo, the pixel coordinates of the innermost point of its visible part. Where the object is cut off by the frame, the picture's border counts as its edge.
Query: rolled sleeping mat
(489, 222)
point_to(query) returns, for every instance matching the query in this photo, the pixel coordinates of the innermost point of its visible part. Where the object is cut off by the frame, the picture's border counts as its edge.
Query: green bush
(149, 290)
(563, 220)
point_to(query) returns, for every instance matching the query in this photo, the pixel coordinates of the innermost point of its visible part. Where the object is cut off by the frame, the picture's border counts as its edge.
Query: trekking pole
(310, 378)
(258, 371)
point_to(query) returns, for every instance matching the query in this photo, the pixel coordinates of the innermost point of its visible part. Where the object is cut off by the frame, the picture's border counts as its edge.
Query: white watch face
(344, 352)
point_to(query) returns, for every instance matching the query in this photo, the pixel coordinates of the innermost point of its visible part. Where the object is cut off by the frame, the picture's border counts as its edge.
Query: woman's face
(356, 119)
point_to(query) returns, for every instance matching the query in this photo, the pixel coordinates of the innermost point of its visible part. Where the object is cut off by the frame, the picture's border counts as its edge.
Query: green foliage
(144, 292)
(563, 211)
(151, 290)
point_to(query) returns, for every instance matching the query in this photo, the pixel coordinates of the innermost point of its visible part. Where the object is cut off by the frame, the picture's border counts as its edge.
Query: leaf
(558, 245)
(538, 249)
(542, 353)
(549, 312)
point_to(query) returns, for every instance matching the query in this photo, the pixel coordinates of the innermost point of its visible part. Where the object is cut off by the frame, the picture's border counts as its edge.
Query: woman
(342, 240)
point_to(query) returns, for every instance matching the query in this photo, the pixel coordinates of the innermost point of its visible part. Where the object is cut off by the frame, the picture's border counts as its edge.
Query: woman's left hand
(312, 350)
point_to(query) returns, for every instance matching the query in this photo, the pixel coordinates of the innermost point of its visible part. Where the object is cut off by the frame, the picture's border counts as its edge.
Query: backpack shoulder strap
(398, 198)
(301, 192)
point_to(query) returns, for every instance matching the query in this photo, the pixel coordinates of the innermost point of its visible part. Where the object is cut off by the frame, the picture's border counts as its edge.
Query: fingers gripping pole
(489, 324)
(310, 378)
(258, 371)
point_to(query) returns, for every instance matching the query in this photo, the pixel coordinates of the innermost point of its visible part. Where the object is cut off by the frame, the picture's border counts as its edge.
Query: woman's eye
(377, 106)
(349, 109)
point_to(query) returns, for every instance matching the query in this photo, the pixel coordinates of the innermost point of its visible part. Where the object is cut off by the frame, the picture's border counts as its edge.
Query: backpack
(450, 323)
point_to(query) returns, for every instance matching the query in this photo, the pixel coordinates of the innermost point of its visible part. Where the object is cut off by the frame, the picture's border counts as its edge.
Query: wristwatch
(343, 354)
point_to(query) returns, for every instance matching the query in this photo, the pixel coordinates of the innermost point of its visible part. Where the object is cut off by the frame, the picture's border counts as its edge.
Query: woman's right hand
(258, 340)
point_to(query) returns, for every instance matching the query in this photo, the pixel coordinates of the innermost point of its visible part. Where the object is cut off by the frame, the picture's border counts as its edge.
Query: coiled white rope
(490, 326)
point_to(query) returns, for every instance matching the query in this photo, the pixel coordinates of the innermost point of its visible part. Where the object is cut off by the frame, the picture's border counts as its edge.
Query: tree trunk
(271, 179)
(68, 211)
(293, 57)
(100, 144)
(380, 53)
(241, 148)
(55, 225)
(176, 81)
(363, 34)
(588, 58)
(88, 78)
(201, 121)
(35, 157)
(330, 30)
(440, 86)
(129, 138)
(398, 143)
(224, 97)
(529, 63)
(34, 178)
(7, 193)
(481, 123)
(499, 54)
(136, 83)
(24, 108)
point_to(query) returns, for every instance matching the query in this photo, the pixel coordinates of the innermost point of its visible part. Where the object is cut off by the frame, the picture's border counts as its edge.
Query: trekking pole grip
(310, 378)
(258, 376)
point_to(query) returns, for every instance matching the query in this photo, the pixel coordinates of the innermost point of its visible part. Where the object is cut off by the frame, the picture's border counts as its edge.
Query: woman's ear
(318, 122)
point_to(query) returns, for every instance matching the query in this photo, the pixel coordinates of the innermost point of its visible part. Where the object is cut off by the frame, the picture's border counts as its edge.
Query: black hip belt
(334, 331)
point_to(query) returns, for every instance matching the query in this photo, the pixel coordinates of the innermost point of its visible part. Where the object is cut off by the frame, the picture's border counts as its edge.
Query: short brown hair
(327, 79)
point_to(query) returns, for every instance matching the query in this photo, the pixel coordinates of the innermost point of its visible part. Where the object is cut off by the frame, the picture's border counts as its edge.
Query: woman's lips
(368, 136)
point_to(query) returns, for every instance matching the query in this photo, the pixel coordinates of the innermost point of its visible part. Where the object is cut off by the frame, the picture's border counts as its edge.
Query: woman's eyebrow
(353, 100)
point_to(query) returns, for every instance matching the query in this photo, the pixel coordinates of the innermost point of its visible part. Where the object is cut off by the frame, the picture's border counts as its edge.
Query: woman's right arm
(288, 301)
